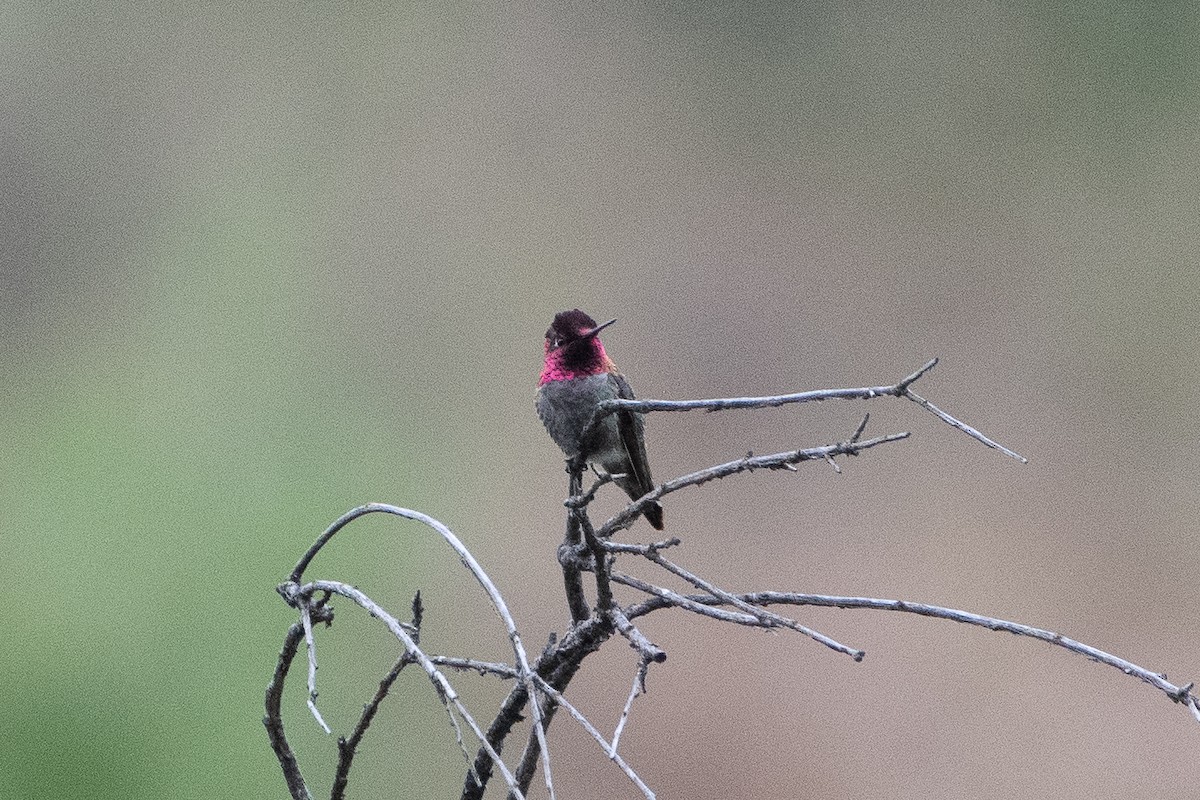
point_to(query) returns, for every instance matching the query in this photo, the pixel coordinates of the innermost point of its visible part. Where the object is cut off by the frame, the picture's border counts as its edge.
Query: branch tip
(962, 426)
(903, 385)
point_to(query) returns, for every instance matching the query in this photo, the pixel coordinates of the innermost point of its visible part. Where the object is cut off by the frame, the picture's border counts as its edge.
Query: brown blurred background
(259, 266)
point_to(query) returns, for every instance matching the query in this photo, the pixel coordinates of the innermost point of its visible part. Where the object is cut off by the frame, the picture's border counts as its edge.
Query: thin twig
(639, 687)
(911, 379)
(641, 549)
(458, 737)
(399, 630)
(862, 426)
(726, 403)
(473, 567)
(637, 640)
(962, 426)
(586, 724)
(767, 618)
(1183, 695)
(475, 665)
(899, 389)
(273, 719)
(348, 747)
(311, 645)
(668, 598)
(581, 500)
(629, 514)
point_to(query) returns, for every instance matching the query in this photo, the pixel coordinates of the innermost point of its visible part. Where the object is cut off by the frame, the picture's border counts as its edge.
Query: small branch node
(418, 614)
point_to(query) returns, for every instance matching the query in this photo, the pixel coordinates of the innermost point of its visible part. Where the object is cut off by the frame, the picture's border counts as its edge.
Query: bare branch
(586, 547)
(1183, 695)
(572, 575)
(637, 640)
(900, 389)
(311, 646)
(273, 719)
(300, 593)
(609, 749)
(475, 569)
(766, 618)
(962, 426)
(604, 599)
(749, 463)
(639, 687)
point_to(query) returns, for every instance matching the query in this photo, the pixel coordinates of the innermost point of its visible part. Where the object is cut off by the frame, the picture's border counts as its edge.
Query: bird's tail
(653, 512)
(654, 515)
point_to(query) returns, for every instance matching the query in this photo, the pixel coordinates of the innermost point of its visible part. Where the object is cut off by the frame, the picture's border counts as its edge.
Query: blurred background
(260, 265)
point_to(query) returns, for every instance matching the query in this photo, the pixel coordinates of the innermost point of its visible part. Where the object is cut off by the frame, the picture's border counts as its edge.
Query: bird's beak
(591, 333)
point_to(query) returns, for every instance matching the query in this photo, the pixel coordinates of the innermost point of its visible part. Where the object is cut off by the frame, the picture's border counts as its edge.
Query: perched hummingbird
(576, 377)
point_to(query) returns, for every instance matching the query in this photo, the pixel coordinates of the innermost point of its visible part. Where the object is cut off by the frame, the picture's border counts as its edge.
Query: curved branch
(399, 630)
(273, 720)
(475, 569)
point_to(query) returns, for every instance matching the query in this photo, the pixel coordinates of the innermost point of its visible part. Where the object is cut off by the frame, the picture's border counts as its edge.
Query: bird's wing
(630, 426)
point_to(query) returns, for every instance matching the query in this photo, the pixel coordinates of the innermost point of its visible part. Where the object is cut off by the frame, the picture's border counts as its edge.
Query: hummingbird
(576, 377)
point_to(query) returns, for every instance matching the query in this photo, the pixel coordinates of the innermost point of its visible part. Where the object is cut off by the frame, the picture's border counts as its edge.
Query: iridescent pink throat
(555, 370)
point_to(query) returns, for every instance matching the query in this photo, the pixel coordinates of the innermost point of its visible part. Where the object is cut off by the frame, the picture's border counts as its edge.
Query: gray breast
(566, 407)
